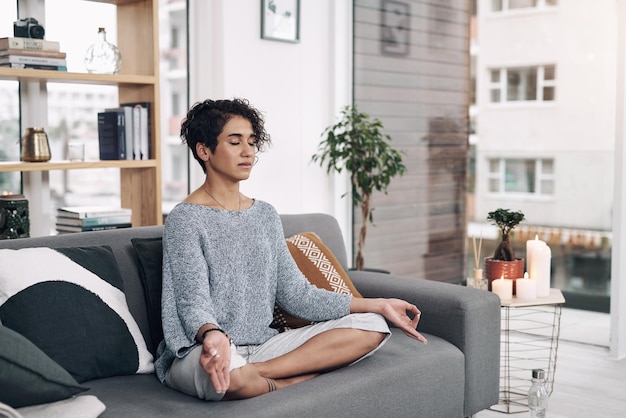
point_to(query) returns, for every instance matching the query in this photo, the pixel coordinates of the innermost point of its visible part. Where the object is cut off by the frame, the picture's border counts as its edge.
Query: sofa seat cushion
(70, 303)
(380, 385)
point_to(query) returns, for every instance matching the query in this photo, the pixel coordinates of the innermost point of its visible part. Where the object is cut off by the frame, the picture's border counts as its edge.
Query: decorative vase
(35, 146)
(103, 57)
(496, 269)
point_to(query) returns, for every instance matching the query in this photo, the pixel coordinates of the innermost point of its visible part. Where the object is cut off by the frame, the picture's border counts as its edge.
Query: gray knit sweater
(229, 268)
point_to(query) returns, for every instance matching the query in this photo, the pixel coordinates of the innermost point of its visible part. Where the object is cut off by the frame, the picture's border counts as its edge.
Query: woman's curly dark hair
(205, 121)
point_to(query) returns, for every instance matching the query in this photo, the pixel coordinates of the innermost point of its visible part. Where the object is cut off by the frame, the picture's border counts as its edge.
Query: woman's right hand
(215, 360)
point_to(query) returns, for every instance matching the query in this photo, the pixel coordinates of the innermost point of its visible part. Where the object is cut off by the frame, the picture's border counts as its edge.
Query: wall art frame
(395, 27)
(280, 20)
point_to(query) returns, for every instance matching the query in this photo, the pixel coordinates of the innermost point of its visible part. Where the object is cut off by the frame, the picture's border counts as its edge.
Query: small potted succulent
(503, 263)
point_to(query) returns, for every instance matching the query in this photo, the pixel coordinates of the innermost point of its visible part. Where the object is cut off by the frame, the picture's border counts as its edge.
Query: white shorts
(187, 376)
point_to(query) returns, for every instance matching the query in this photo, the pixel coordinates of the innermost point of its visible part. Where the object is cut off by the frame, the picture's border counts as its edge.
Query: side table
(529, 340)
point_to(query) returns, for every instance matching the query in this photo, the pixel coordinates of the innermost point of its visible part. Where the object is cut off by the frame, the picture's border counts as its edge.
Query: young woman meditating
(225, 265)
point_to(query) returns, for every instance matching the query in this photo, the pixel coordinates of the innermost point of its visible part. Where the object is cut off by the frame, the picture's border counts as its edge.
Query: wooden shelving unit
(138, 80)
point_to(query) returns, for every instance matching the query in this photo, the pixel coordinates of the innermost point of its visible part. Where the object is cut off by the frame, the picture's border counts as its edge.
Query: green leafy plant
(506, 220)
(357, 144)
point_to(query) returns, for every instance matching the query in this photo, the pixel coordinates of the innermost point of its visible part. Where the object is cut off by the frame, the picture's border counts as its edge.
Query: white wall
(299, 87)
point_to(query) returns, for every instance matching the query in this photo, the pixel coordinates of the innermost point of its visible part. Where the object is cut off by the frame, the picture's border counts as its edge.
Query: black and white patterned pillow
(70, 303)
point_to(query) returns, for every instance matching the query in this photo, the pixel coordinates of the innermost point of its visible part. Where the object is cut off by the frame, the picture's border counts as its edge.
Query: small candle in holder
(503, 288)
(526, 288)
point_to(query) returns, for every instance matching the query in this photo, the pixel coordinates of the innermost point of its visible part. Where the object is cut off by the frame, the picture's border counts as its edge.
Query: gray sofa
(455, 375)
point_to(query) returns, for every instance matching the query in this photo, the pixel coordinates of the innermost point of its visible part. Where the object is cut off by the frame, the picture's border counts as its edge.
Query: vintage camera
(28, 28)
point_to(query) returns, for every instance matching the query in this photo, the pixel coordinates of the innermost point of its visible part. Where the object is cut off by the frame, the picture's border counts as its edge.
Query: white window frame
(501, 85)
(542, 5)
(540, 177)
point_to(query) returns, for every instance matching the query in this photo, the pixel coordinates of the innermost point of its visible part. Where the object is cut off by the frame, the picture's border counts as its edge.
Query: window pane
(548, 93)
(519, 176)
(522, 4)
(496, 5)
(547, 166)
(494, 166)
(495, 96)
(551, 2)
(547, 187)
(9, 134)
(495, 76)
(494, 185)
(521, 84)
(549, 72)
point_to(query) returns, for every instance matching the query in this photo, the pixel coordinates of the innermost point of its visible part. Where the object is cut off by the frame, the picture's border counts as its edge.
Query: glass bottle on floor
(538, 395)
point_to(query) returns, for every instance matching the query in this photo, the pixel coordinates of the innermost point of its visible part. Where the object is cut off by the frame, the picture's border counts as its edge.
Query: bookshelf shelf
(137, 81)
(10, 166)
(25, 75)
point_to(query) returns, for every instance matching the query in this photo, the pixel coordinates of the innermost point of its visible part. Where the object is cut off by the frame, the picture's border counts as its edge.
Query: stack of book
(91, 218)
(124, 132)
(32, 53)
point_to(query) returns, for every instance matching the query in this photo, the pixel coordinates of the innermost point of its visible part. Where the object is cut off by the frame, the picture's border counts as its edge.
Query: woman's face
(234, 155)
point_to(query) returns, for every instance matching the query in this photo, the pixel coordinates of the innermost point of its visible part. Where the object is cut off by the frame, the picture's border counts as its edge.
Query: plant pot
(511, 270)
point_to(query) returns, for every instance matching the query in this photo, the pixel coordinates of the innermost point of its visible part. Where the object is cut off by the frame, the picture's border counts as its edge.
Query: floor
(587, 382)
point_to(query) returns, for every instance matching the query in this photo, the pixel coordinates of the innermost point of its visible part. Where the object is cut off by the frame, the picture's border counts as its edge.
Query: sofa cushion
(70, 303)
(28, 376)
(150, 255)
(321, 268)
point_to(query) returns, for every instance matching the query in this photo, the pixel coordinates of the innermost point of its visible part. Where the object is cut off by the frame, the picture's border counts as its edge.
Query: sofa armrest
(468, 318)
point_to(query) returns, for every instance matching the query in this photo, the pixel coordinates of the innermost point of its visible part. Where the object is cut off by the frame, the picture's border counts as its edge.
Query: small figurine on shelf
(103, 57)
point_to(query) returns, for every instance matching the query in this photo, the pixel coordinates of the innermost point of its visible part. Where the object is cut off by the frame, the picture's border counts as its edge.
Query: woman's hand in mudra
(215, 360)
(396, 311)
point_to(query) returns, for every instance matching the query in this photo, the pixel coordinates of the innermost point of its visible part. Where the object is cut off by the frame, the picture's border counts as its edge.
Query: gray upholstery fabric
(455, 375)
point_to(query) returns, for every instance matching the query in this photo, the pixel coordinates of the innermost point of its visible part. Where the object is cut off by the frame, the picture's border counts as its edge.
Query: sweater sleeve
(186, 300)
(297, 296)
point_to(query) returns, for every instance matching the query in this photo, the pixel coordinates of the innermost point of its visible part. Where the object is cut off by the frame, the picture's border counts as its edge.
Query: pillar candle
(532, 246)
(541, 271)
(526, 288)
(503, 288)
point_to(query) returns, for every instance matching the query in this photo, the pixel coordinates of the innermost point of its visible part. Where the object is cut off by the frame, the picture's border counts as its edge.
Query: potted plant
(357, 143)
(504, 264)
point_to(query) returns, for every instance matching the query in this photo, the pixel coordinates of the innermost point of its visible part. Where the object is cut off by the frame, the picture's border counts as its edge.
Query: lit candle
(540, 270)
(526, 288)
(532, 246)
(538, 259)
(503, 288)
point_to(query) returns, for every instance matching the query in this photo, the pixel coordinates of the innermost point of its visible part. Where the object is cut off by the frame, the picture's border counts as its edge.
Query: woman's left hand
(395, 311)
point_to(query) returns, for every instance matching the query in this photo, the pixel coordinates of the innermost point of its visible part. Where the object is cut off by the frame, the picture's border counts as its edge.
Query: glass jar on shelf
(103, 57)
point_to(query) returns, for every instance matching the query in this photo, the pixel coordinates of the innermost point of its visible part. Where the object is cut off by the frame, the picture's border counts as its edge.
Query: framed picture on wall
(395, 28)
(280, 20)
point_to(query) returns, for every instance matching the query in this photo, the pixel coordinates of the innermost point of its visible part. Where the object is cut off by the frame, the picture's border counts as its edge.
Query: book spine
(35, 66)
(24, 59)
(121, 135)
(145, 128)
(90, 213)
(104, 227)
(108, 135)
(33, 53)
(94, 221)
(66, 228)
(30, 44)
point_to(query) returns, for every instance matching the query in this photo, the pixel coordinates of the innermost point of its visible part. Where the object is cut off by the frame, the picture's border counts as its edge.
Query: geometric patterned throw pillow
(70, 303)
(321, 268)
